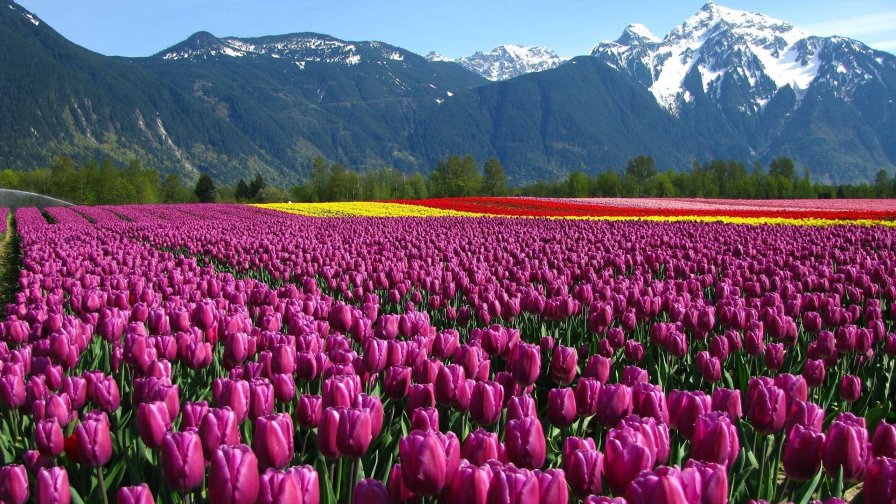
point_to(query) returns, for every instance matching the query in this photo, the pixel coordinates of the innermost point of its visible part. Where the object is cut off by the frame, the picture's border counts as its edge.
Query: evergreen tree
(640, 169)
(255, 187)
(241, 192)
(205, 189)
(495, 180)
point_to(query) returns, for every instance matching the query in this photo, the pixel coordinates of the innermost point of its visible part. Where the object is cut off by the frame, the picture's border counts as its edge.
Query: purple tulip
(564, 365)
(613, 404)
(277, 486)
(233, 394)
(218, 427)
(883, 443)
(370, 491)
(650, 401)
(802, 453)
(552, 487)
(814, 373)
(727, 401)
(715, 439)
(794, 386)
(48, 437)
(261, 398)
(666, 485)
(13, 484)
(309, 410)
(354, 432)
(183, 463)
(448, 381)
(513, 486)
(470, 484)
(140, 494)
(880, 481)
(153, 422)
(627, 454)
(850, 388)
(587, 396)
(807, 414)
(766, 406)
(713, 480)
(273, 440)
(233, 475)
(94, 440)
(846, 446)
(521, 406)
(191, 414)
(486, 402)
(428, 461)
(420, 395)
(684, 409)
(561, 407)
(524, 363)
(598, 367)
(52, 486)
(482, 446)
(525, 442)
(12, 391)
(583, 472)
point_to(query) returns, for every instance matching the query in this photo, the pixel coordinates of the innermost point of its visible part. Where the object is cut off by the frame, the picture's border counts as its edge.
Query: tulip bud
(482, 446)
(307, 483)
(308, 411)
(273, 440)
(524, 363)
(139, 494)
(48, 437)
(218, 427)
(52, 486)
(370, 491)
(583, 472)
(425, 419)
(470, 485)
(850, 388)
(807, 414)
(486, 402)
(278, 486)
(233, 475)
(684, 409)
(94, 440)
(182, 461)
(613, 404)
(153, 422)
(564, 365)
(766, 406)
(13, 484)
(627, 454)
(561, 407)
(880, 480)
(525, 442)
(883, 443)
(649, 401)
(513, 485)
(587, 396)
(715, 439)
(846, 446)
(802, 453)
(598, 367)
(429, 461)
(814, 373)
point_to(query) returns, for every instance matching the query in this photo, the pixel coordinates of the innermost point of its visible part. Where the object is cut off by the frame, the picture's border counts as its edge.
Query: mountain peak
(636, 34)
(510, 60)
(21, 10)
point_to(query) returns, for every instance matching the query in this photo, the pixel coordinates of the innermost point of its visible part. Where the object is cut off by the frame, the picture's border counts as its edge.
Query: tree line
(93, 183)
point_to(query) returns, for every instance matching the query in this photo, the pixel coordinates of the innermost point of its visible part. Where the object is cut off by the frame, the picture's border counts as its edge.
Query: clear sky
(453, 28)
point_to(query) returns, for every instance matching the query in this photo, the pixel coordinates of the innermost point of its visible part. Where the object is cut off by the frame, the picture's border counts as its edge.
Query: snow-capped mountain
(297, 47)
(506, 61)
(747, 56)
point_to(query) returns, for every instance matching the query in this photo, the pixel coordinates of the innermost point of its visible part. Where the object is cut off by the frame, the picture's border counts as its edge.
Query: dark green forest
(95, 183)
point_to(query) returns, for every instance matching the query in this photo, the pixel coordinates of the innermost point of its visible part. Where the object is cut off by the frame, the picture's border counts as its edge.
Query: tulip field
(465, 350)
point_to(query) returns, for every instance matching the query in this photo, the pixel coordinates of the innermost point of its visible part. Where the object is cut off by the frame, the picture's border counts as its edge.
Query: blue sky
(453, 28)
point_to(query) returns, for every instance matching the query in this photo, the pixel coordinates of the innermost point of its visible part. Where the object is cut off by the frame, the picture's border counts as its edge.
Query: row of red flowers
(538, 207)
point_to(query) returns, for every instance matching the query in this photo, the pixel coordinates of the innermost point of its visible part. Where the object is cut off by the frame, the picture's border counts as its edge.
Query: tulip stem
(99, 473)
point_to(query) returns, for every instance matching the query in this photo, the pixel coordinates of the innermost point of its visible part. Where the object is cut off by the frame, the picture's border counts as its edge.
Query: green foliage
(495, 179)
(205, 189)
(456, 176)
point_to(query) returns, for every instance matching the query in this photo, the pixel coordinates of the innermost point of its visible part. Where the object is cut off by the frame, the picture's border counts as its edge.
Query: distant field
(814, 212)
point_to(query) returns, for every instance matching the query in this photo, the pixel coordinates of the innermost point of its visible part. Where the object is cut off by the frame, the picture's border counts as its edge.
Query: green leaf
(76, 498)
(804, 494)
(326, 486)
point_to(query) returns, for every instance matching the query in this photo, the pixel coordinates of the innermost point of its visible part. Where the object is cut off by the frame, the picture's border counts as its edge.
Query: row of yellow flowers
(381, 209)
